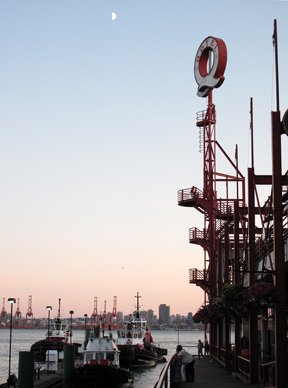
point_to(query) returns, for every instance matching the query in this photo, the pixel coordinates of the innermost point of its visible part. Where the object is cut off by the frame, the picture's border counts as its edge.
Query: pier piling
(26, 370)
(68, 364)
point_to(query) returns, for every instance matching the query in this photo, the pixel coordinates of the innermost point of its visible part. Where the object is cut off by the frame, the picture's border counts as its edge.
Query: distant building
(164, 314)
(120, 316)
(190, 321)
(150, 317)
(127, 317)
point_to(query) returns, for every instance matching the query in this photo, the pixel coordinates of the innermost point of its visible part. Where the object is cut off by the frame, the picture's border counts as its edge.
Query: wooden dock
(209, 374)
(49, 379)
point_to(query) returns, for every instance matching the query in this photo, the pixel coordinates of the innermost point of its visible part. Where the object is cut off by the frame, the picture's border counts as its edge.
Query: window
(99, 356)
(89, 356)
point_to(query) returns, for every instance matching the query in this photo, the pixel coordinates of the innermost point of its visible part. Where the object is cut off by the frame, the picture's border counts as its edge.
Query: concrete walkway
(210, 374)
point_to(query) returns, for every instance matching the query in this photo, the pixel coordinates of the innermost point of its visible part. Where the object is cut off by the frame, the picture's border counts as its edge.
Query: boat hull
(40, 348)
(132, 356)
(98, 375)
(161, 352)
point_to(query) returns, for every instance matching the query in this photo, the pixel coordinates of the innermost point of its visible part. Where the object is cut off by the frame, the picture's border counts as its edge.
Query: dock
(209, 374)
(48, 380)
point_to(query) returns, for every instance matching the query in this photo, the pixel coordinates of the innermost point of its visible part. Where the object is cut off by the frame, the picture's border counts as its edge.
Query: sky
(98, 133)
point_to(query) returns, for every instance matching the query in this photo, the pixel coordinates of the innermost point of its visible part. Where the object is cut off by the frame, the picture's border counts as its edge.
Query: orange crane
(114, 316)
(29, 315)
(18, 315)
(3, 315)
(94, 316)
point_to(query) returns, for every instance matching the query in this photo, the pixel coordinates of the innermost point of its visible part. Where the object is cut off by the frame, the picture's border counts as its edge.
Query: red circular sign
(210, 64)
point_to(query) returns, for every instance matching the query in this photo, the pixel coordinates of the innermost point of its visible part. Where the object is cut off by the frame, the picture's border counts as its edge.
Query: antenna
(114, 316)
(275, 41)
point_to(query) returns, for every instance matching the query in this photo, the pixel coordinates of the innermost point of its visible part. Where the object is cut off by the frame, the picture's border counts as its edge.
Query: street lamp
(71, 312)
(48, 308)
(11, 301)
(85, 316)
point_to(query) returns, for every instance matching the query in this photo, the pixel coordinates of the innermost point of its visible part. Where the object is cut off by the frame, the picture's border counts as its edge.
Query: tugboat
(101, 366)
(58, 335)
(135, 342)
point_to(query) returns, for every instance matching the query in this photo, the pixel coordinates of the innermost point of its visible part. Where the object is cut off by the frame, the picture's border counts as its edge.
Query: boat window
(99, 356)
(88, 356)
(110, 357)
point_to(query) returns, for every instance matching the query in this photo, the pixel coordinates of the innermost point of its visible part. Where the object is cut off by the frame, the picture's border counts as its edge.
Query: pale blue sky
(98, 133)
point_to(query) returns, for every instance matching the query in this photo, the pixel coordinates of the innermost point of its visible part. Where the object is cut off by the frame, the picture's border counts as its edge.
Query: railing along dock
(163, 378)
(207, 372)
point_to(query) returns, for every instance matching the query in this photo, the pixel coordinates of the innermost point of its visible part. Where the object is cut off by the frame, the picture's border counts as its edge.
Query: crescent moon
(114, 16)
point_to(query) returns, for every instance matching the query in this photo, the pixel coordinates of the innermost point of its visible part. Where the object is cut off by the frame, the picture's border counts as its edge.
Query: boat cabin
(103, 358)
(101, 350)
(59, 331)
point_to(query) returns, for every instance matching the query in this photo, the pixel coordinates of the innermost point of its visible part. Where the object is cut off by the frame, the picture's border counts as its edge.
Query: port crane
(94, 315)
(29, 314)
(18, 316)
(3, 315)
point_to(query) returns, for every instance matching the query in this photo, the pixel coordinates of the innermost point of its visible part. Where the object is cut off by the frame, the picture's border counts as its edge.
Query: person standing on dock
(207, 348)
(187, 364)
(200, 348)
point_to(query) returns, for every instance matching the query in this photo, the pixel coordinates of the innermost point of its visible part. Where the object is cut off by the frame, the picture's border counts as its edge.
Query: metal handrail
(163, 378)
(196, 274)
(265, 374)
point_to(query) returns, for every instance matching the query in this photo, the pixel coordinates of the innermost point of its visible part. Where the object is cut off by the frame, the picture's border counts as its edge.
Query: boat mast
(59, 308)
(137, 301)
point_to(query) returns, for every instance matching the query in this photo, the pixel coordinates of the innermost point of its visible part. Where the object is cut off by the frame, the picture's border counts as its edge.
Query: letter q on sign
(210, 75)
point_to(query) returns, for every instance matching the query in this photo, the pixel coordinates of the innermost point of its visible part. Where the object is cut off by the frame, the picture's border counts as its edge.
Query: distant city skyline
(163, 315)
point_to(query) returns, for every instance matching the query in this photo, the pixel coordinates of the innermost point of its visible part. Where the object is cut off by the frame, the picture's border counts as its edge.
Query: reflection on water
(144, 378)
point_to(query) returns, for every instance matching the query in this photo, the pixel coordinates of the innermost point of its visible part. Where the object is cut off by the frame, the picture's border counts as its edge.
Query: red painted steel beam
(278, 247)
(244, 210)
(267, 180)
(236, 279)
(251, 268)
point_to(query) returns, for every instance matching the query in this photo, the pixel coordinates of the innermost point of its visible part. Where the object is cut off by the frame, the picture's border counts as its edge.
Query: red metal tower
(217, 211)
(3, 315)
(114, 316)
(238, 248)
(105, 317)
(29, 315)
(18, 316)
(94, 315)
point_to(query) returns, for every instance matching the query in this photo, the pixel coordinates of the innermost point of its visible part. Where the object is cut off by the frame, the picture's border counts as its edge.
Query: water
(22, 339)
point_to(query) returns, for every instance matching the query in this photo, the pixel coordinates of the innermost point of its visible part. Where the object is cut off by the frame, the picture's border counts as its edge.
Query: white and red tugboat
(101, 367)
(58, 335)
(136, 343)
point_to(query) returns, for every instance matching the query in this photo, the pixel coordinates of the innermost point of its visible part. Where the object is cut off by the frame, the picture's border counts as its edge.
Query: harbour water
(22, 339)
